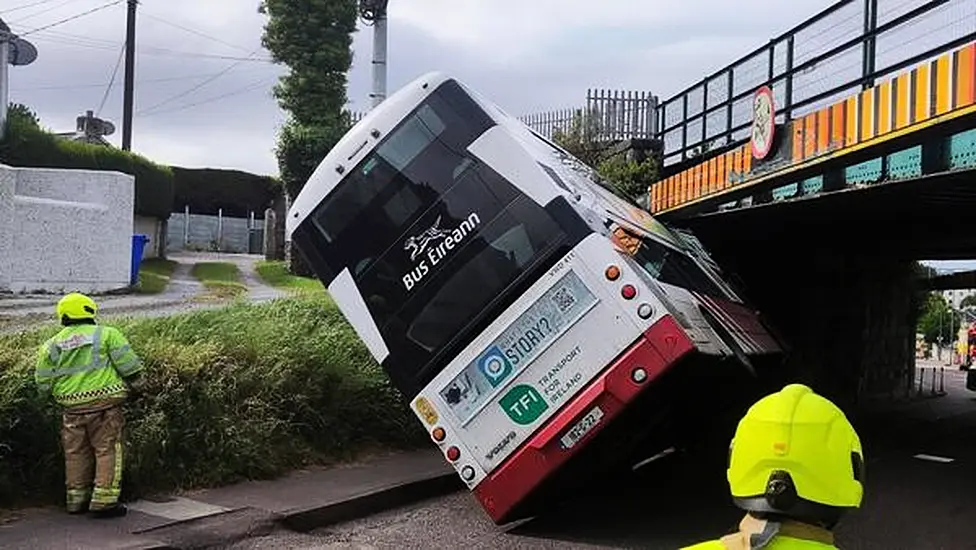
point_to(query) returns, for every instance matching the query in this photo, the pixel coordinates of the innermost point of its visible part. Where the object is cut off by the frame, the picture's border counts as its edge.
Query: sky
(203, 82)
(526, 56)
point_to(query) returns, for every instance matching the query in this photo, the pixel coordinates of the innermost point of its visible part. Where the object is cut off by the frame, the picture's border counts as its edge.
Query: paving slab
(303, 500)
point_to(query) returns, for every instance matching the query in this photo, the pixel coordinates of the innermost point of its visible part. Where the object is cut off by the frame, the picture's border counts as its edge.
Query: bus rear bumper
(654, 352)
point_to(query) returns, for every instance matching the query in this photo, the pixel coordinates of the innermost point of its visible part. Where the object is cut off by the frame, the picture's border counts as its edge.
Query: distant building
(90, 129)
(956, 296)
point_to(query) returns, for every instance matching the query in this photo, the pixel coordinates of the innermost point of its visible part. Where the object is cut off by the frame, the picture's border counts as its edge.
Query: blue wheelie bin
(138, 247)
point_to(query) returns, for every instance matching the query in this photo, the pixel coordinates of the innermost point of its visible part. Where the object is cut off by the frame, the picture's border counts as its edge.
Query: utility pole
(130, 68)
(373, 12)
(13, 51)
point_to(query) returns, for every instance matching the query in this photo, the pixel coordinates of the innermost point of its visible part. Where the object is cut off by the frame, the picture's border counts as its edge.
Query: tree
(629, 179)
(582, 138)
(626, 177)
(938, 319)
(313, 38)
(18, 113)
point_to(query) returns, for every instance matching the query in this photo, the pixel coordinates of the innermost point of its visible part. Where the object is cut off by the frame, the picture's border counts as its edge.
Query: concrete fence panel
(64, 230)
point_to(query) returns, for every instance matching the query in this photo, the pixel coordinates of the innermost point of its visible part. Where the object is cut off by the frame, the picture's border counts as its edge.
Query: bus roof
(359, 141)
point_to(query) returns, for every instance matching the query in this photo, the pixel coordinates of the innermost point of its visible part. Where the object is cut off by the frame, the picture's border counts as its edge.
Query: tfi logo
(418, 243)
(523, 404)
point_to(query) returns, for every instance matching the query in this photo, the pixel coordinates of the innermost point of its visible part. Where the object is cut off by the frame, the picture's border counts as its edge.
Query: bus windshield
(432, 236)
(675, 268)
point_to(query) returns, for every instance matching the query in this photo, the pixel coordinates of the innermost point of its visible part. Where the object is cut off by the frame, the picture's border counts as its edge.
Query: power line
(97, 44)
(192, 31)
(35, 14)
(40, 3)
(198, 86)
(239, 91)
(111, 81)
(72, 18)
(139, 81)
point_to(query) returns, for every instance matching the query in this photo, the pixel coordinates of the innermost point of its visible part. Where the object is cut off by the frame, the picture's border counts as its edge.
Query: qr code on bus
(564, 299)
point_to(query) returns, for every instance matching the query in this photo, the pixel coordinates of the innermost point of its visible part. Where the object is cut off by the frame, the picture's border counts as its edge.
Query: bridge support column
(847, 317)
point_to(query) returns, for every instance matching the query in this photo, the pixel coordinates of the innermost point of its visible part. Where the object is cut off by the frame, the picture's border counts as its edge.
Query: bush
(207, 190)
(27, 145)
(244, 392)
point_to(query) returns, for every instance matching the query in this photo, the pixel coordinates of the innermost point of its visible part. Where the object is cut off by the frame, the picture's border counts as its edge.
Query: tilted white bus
(522, 308)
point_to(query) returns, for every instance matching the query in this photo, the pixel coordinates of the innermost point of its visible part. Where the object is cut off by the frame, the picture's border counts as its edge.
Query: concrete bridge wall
(848, 317)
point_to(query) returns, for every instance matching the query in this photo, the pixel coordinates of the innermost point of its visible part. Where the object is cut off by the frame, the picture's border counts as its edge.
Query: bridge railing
(609, 115)
(839, 51)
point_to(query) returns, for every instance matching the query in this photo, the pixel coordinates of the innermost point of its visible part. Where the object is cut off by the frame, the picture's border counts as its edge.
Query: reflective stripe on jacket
(755, 534)
(85, 363)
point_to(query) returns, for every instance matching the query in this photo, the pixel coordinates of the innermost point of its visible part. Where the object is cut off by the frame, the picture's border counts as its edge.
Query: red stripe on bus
(659, 348)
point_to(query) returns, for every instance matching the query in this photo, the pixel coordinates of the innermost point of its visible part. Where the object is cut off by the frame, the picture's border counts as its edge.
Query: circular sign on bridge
(763, 122)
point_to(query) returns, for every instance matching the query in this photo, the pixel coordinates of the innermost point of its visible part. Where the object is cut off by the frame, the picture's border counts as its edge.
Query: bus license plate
(583, 427)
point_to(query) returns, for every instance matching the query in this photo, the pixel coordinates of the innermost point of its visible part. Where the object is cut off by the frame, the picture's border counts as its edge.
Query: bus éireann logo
(495, 366)
(426, 254)
(417, 244)
(523, 404)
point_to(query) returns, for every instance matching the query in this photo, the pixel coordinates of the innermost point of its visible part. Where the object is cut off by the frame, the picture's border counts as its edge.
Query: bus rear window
(431, 235)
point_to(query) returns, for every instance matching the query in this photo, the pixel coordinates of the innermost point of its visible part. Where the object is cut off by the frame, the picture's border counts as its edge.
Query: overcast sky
(203, 90)
(526, 55)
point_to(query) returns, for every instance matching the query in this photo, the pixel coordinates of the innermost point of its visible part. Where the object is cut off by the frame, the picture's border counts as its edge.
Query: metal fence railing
(609, 115)
(842, 50)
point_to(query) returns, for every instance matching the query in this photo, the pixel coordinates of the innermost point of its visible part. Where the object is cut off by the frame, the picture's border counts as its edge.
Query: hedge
(245, 392)
(205, 190)
(25, 144)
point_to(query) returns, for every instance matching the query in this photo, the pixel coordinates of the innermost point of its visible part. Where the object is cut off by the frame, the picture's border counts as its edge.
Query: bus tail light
(644, 311)
(467, 473)
(438, 434)
(612, 273)
(638, 375)
(628, 292)
(453, 454)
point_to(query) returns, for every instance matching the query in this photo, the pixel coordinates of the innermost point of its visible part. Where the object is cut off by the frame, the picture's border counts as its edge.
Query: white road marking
(933, 458)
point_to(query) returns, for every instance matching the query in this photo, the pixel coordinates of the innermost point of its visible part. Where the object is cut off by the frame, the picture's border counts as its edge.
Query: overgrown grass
(243, 392)
(222, 279)
(154, 275)
(276, 274)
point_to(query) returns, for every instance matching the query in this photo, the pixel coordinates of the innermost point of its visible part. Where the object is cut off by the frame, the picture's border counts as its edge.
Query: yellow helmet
(77, 307)
(795, 453)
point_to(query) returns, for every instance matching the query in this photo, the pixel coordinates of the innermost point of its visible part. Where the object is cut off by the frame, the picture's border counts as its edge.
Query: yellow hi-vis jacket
(84, 364)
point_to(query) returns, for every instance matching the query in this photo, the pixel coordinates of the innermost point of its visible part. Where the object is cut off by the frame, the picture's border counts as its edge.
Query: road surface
(181, 295)
(911, 503)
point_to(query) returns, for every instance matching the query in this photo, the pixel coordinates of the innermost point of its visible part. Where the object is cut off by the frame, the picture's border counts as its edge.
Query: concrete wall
(215, 233)
(65, 230)
(151, 227)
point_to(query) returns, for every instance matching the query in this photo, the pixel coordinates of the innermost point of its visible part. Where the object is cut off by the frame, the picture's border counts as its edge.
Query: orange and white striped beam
(931, 92)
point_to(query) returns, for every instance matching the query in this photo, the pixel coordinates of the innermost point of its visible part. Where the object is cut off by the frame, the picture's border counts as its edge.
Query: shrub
(25, 144)
(243, 392)
(207, 190)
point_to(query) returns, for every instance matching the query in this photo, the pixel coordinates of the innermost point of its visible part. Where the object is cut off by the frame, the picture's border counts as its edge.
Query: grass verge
(221, 279)
(154, 275)
(276, 274)
(242, 392)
